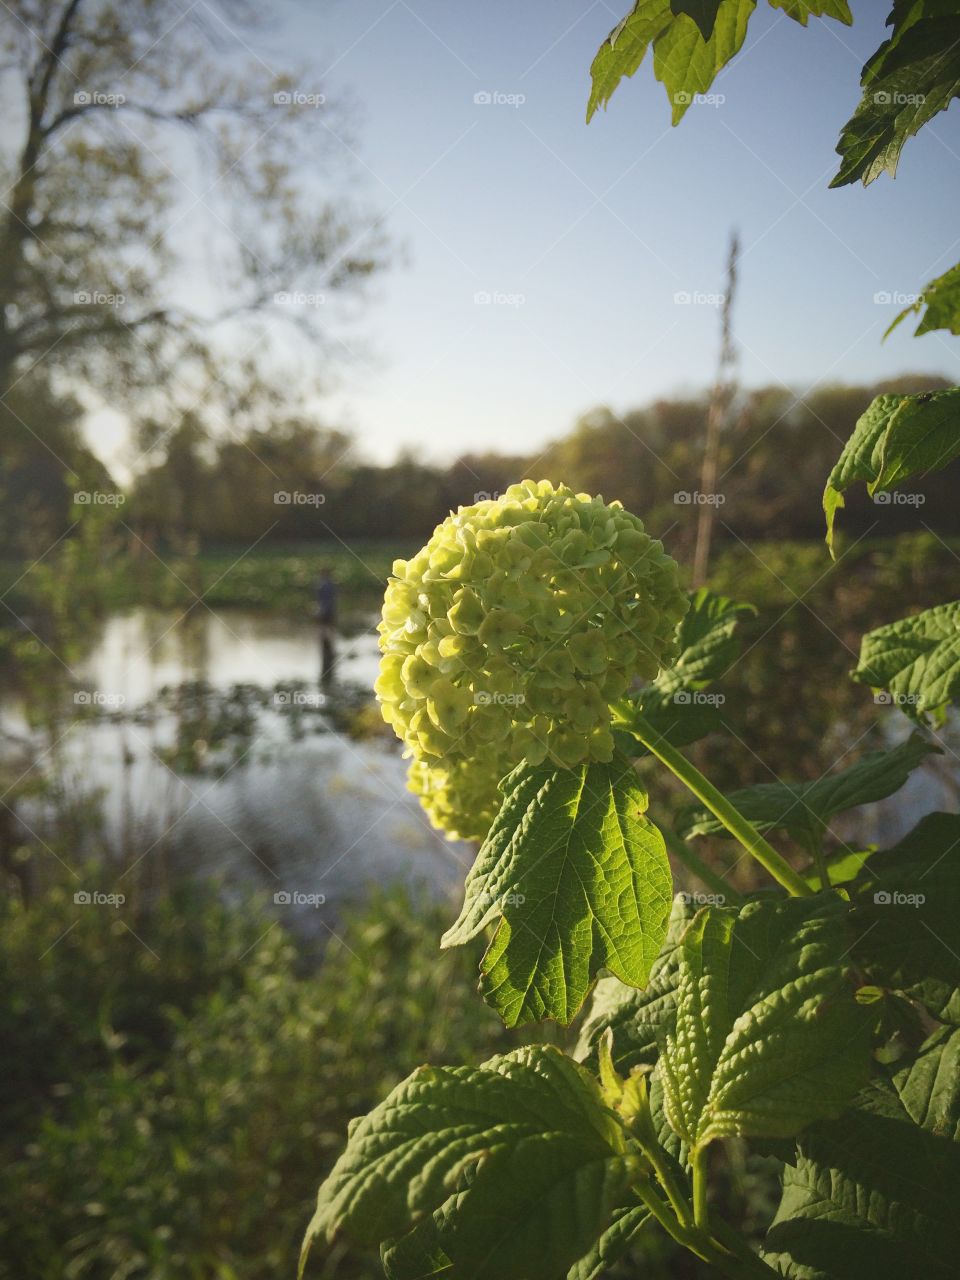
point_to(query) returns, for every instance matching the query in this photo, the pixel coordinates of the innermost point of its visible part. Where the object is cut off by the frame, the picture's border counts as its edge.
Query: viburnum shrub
(533, 652)
(508, 636)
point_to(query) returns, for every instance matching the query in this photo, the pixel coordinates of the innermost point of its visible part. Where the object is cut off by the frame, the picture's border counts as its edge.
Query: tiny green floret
(506, 638)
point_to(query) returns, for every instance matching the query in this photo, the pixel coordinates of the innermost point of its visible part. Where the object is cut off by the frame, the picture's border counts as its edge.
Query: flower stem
(699, 1167)
(720, 807)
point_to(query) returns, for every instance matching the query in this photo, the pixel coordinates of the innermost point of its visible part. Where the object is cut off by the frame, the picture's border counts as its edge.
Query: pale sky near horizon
(583, 236)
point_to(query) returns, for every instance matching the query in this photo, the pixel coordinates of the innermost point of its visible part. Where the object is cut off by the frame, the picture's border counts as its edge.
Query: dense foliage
(818, 1018)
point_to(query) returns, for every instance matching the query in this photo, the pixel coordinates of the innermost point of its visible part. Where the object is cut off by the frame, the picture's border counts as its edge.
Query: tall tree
(126, 121)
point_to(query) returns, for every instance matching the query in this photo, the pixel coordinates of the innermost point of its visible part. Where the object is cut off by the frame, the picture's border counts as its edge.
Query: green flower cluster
(508, 636)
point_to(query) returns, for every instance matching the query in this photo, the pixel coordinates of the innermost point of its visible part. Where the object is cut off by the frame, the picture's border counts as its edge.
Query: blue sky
(584, 235)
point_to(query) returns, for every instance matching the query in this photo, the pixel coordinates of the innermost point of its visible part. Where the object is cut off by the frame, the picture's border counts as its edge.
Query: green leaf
(768, 1035)
(807, 807)
(911, 77)
(637, 1018)
(523, 1141)
(624, 49)
(579, 879)
(917, 660)
(873, 1196)
(675, 704)
(897, 436)
(941, 297)
(929, 1085)
(906, 913)
(417, 1255)
(703, 12)
(614, 1244)
(801, 10)
(843, 866)
(687, 65)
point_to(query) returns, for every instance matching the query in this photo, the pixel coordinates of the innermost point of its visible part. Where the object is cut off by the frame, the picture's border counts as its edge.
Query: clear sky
(584, 235)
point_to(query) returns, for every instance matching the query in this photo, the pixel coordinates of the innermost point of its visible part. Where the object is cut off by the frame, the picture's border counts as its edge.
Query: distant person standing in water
(325, 595)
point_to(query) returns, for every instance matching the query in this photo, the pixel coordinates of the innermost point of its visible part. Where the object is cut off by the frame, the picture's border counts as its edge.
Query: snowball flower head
(508, 636)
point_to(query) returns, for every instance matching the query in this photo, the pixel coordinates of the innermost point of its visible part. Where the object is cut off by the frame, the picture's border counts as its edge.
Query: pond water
(280, 803)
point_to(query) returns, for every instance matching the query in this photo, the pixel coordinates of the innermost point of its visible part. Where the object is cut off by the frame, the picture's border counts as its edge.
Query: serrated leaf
(872, 1197)
(417, 1255)
(929, 1084)
(524, 1141)
(768, 1035)
(579, 879)
(905, 916)
(917, 660)
(625, 48)
(807, 807)
(703, 13)
(637, 1018)
(941, 297)
(911, 78)
(674, 704)
(801, 10)
(623, 1232)
(686, 64)
(843, 866)
(897, 436)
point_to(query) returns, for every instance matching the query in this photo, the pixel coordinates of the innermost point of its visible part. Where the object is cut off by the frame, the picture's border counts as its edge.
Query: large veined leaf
(579, 880)
(929, 1084)
(523, 1141)
(911, 77)
(941, 297)
(873, 1196)
(624, 1230)
(897, 436)
(917, 660)
(768, 1034)
(637, 1018)
(807, 807)
(906, 913)
(674, 703)
(692, 40)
